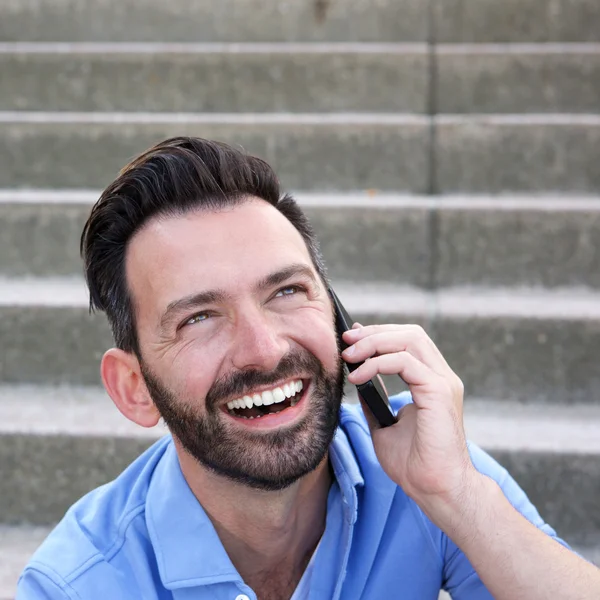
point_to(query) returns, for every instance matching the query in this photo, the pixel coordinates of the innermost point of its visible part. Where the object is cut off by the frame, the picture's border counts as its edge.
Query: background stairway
(447, 154)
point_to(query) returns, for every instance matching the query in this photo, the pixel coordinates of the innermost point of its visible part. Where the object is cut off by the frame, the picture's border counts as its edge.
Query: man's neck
(263, 532)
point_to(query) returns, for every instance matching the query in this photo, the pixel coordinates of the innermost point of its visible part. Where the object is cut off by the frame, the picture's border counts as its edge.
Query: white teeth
(268, 397)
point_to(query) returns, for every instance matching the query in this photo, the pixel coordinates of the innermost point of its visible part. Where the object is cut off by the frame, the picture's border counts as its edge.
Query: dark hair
(174, 177)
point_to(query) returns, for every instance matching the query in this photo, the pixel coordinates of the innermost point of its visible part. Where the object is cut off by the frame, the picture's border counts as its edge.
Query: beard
(266, 460)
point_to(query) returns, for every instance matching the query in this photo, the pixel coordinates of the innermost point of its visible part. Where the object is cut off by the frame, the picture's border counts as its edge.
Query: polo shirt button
(242, 597)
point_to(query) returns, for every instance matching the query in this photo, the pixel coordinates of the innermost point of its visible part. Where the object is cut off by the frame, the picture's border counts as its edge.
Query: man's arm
(512, 557)
(426, 453)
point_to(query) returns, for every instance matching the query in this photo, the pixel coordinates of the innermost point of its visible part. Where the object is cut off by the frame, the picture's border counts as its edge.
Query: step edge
(170, 118)
(233, 48)
(548, 202)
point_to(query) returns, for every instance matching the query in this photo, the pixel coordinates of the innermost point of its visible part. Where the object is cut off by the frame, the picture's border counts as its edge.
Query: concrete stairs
(446, 152)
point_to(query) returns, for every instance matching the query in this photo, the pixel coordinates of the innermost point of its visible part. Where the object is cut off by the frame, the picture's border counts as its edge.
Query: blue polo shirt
(145, 535)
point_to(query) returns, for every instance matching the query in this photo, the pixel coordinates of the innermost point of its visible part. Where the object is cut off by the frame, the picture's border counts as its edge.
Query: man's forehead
(172, 255)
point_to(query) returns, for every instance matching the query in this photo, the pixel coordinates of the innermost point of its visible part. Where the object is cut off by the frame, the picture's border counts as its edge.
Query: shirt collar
(347, 472)
(187, 548)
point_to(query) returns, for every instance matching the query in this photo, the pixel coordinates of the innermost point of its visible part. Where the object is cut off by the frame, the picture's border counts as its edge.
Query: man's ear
(123, 380)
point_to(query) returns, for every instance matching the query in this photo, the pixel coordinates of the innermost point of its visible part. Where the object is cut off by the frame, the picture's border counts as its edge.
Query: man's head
(215, 290)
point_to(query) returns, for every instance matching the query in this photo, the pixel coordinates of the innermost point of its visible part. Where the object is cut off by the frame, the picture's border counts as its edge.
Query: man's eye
(199, 318)
(290, 290)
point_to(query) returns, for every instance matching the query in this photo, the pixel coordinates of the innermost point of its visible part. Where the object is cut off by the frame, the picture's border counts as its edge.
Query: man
(268, 488)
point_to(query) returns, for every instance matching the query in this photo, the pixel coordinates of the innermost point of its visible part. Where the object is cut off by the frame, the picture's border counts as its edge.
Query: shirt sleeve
(460, 579)
(36, 585)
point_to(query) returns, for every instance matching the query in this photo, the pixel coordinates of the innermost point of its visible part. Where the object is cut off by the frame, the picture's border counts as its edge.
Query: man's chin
(267, 459)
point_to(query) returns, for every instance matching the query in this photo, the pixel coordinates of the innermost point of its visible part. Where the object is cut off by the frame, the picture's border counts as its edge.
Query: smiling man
(268, 487)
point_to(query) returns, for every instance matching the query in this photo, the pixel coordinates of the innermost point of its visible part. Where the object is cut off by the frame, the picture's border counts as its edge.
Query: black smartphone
(372, 391)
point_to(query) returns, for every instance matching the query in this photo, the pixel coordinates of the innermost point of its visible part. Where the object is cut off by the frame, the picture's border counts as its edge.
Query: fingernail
(349, 351)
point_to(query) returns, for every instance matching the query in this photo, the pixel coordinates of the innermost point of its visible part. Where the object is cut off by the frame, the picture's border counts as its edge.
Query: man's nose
(257, 343)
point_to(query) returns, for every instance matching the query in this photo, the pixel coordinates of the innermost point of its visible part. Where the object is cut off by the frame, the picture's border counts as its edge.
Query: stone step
(471, 78)
(308, 151)
(322, 152)
(517, 344)
(527, 153)
(422, 241)
(58, 443)
(517, 78)
(215, 77)
(18, 543)
(322, 20)
(205, 21)
(515, 21)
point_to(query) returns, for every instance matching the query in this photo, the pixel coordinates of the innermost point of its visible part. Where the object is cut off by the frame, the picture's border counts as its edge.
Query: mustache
(239, 383)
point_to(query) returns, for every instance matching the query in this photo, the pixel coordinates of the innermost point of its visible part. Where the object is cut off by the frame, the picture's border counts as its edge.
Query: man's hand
(425, 452)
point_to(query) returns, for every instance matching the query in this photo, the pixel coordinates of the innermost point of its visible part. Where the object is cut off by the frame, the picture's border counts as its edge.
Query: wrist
(459, 512)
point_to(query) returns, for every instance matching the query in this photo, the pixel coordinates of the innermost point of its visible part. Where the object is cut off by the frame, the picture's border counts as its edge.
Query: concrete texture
(384, 243)
(516, 242)
(521, 79)
(205, 21)
(564, 488)
(341, 152)
(474, 154)
(235, 78)
(527, 360)
(41, 239)
(43, 475)
(517, 153)
(415, 240)
(45, 344)
(516, 21)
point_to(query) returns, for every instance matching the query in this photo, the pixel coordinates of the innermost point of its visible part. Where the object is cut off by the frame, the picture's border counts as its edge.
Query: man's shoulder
(94, 529)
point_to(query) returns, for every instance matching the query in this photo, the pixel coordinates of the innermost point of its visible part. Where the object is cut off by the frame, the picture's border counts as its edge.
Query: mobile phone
(372, 391)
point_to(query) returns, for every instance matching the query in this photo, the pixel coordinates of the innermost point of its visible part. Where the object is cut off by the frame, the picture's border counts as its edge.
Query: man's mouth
(267, 402)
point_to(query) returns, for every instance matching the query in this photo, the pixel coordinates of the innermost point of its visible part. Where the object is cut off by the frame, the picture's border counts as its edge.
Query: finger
(410, 369)
(397, 339)
(370, 329)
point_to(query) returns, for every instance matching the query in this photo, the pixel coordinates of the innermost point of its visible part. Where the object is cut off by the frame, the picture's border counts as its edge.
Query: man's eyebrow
(284, 274)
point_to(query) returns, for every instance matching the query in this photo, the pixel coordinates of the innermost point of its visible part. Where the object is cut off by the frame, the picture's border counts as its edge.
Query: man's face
(229, 308)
